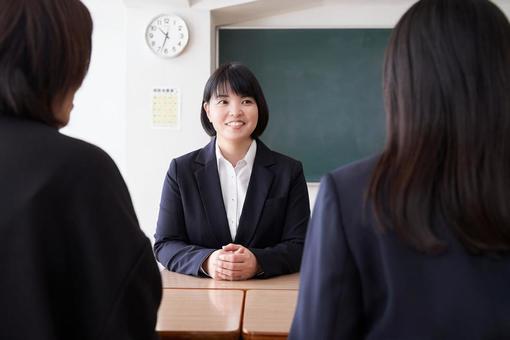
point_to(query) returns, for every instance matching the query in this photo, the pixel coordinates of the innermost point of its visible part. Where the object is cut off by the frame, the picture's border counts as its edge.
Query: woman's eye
(247, 101)
(222, 101)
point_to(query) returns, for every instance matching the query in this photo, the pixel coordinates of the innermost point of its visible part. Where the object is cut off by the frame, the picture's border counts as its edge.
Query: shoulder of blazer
(282, 164)
(356, 171)
(352, 180)
(54, 151)
(206, 154)
(195, 157)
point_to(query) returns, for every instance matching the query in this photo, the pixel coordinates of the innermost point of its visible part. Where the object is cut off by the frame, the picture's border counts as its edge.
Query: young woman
(414, 243)
(74, 262)
(233, 209)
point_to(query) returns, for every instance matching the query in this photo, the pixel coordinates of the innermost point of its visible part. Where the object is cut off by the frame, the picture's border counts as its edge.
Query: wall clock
(167, 35)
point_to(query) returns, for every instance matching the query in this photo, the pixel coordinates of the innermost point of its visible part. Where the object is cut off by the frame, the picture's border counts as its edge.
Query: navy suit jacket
(358, 283)
(192, 221)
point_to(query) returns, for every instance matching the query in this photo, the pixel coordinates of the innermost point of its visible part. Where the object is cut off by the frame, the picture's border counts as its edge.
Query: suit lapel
(209, 186)
(261, 180)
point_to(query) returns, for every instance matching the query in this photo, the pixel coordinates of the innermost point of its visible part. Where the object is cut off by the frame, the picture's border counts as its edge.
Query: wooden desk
(175, 280)
(200, 314)
(268, 314)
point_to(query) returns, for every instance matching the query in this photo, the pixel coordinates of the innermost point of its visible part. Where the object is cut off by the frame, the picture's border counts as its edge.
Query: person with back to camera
(74, 262)
(414, 243)
(234, 209)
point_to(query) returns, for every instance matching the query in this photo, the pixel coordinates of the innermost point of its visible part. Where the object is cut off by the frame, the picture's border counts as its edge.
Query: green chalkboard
(323, 88)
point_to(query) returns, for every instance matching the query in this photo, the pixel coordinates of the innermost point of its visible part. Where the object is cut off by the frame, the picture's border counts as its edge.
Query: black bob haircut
(240, 80)
(45, 48)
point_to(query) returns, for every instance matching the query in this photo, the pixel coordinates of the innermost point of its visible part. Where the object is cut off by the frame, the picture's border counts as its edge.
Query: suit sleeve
(172, 247)
(329, 301)
(285, 257)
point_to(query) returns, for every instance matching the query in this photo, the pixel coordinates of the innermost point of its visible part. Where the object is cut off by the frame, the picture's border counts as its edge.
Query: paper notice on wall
(166, 107)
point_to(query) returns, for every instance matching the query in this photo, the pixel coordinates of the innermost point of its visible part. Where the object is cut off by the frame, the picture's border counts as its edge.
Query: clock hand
(164, 41)
(165, 33)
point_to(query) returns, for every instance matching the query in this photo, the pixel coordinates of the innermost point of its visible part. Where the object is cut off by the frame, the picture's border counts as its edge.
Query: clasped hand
(231, 263)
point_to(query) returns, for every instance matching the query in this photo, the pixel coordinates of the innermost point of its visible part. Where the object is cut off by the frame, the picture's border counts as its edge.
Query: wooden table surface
(175, 280)
(268, 314)
(200, 314)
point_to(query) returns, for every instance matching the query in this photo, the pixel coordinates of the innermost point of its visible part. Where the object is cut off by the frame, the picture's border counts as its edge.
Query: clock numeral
(151, 35)
(153, 28)
(153, 43)
(166, 51)
(179, 43)
(182, 35)
(180, 28)
(167, 21)
(160, 22)
(173, 48)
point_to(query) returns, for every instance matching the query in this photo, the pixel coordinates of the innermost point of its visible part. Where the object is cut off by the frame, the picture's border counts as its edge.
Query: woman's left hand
(236, 263)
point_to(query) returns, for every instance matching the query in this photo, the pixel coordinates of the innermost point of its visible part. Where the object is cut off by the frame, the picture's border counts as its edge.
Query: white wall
(350, 13)
(150, 150)
(112, 109)
(504, 5)
(99, 106)
(345, 13)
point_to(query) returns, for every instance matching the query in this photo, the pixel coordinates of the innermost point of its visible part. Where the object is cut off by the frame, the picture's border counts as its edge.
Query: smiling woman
(233, 209)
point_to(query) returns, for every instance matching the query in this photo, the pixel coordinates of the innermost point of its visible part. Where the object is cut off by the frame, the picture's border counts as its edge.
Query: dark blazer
(357, 283)
(192, 221)
(74, 263)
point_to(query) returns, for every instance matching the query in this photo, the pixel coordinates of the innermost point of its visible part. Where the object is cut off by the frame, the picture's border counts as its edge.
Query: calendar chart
(166, 107)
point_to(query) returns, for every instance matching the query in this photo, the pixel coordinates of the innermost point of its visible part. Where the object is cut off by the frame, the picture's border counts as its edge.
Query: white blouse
(234, 184)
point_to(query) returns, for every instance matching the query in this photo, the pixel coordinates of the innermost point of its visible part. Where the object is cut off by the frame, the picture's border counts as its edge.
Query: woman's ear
(205, 105)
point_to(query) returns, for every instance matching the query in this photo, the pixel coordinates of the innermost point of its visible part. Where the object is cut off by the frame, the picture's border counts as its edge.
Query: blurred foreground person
(414, 243)
(74, 263)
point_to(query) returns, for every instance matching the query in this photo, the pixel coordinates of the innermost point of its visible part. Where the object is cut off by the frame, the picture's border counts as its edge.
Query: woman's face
(233, 117)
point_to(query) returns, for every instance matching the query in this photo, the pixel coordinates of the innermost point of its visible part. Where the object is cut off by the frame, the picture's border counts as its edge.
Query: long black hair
(447, 97)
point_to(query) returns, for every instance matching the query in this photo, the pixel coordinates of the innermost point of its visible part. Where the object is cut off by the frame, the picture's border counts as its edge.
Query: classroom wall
(150, 150)
(113, 107)
(99, 106)
(345, 13)
(349, 13)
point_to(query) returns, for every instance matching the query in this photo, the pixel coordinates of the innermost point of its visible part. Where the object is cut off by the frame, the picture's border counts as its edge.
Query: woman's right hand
(211, 264)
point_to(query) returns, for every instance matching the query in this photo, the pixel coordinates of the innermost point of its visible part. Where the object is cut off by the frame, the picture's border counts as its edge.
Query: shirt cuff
(202, 271)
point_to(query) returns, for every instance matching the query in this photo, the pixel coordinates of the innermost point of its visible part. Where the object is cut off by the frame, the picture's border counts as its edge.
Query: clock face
(167, 35)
